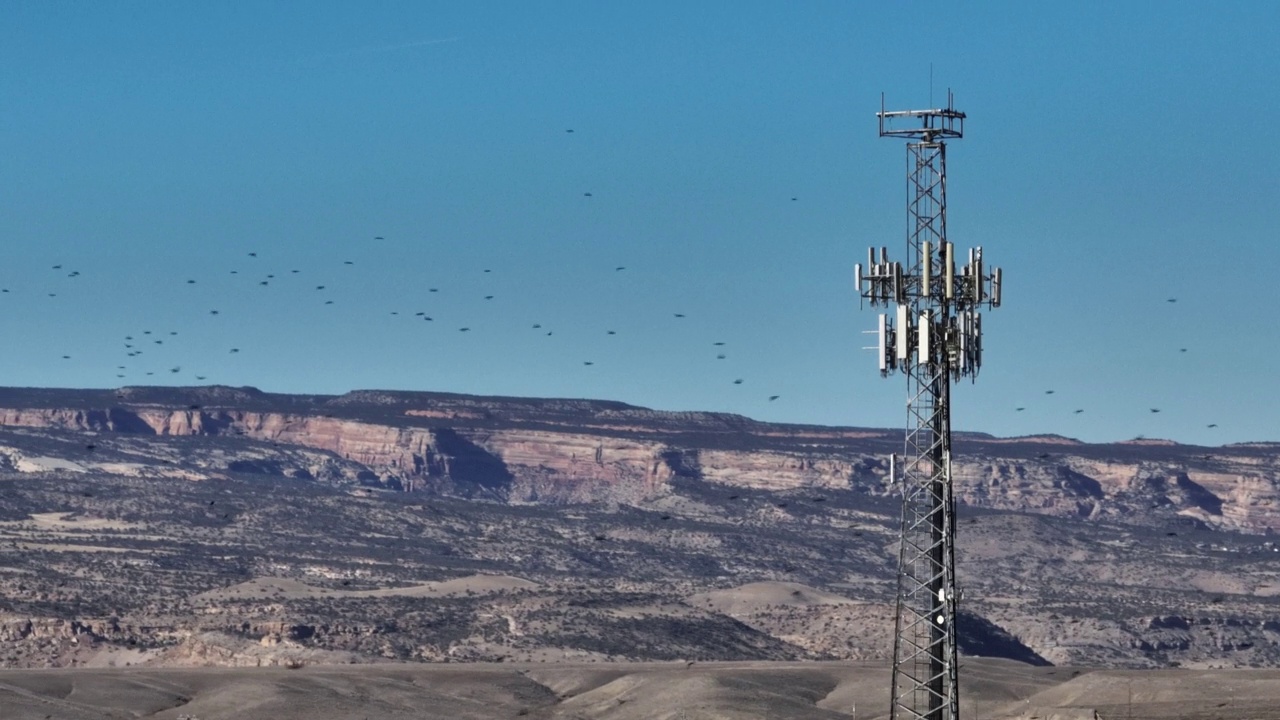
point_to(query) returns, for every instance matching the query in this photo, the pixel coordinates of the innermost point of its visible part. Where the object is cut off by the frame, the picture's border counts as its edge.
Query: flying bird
(587, 362)
(488, 297)
(586, 194)
(1019, 409)
(465, 329)
(377, 237)
(679, 315)
(620, 268)
(1172, 300)
(738, 381)
(1079, 411)
(1213, 425)
(1155, 410)
(1048, 392)
(720, 356)
(774, 397)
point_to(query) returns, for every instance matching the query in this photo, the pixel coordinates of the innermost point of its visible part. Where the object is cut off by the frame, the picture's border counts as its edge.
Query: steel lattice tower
(934, 338)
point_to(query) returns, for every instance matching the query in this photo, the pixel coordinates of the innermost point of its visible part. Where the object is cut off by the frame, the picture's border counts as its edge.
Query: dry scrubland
(993, 689)
(221, 552)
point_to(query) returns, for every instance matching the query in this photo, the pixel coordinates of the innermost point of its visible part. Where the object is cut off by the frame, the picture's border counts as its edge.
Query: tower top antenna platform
(934, 124)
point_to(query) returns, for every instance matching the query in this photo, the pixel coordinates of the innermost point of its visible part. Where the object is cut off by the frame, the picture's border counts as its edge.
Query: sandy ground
(991, 689)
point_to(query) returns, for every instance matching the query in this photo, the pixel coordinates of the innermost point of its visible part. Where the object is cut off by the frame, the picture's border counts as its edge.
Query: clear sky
(1117, 155)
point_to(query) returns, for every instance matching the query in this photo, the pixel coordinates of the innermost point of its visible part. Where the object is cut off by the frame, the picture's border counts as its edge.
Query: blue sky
(1117, 155)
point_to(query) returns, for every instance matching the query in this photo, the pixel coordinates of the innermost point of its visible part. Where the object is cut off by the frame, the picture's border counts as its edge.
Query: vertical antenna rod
(934, 337)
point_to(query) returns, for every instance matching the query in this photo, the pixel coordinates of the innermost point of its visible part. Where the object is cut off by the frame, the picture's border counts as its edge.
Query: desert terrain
(224, 552)
(995, 689)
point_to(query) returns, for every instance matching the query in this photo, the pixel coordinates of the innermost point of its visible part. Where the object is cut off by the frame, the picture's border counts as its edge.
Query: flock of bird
(134, 345)
(139, 348)
(1079, 411)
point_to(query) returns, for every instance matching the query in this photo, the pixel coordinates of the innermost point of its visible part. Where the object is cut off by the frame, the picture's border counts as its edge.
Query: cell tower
(934, 337)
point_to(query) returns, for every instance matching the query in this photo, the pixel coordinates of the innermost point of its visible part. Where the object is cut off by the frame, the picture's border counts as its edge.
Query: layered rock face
(583, 451)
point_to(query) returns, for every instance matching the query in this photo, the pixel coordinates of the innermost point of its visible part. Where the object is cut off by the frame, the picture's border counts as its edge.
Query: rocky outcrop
(529, 450)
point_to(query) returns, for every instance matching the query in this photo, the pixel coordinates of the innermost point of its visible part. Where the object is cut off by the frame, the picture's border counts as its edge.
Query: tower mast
(934, 337)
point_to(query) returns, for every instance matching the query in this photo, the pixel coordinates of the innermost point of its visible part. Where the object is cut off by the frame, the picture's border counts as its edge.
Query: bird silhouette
(738, 381)
(465, 329)
(1213, 425)
(587, 362)
(1048, 392)
(720, 356)
(774, 397)
(1078, 412)
(1019, 409)
(586, 194)
(679, 315)
(620, 268)
(1155, 410)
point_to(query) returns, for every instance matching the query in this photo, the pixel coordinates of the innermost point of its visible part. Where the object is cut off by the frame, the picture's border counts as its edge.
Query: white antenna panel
(949, 269)
(923, 331)
(881, 346)
(904, 333)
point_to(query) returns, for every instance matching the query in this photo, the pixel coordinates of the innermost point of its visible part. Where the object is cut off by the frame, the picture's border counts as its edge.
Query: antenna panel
(904, 333)
(923, 331)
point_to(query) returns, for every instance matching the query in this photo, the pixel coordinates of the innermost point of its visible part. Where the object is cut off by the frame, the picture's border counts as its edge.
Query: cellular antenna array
(933, 336)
